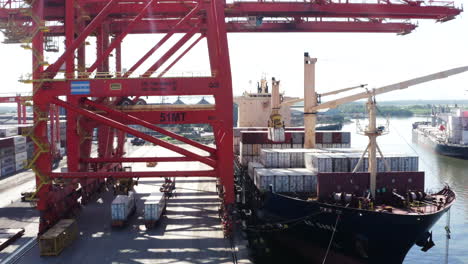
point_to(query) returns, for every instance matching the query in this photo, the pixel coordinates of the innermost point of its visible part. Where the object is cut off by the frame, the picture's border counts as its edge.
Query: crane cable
(409, 145)
(447, 237)
(331, 239)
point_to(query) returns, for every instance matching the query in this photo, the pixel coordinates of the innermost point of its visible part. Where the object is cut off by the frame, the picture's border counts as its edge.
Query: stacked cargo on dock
(16, 148)
(57, 238)
(13, 151)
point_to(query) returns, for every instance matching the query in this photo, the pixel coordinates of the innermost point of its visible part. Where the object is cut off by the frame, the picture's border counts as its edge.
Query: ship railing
(424, 207)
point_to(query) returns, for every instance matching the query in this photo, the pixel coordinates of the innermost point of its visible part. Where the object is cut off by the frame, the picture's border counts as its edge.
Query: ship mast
(372, 133)
(310, 101)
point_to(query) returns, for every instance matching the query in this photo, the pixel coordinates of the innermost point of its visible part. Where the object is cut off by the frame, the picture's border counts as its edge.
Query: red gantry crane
(97, 97)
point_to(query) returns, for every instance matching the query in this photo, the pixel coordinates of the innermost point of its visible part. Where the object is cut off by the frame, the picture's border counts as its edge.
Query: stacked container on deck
(287, 167)
(347, 161)
(251, 142)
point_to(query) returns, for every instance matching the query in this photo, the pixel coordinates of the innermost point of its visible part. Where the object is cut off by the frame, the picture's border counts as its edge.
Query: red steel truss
(91, 94)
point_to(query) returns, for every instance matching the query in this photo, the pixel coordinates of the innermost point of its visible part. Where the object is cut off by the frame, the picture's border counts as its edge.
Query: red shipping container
(6, 142)
(319, 137)
(336, 138)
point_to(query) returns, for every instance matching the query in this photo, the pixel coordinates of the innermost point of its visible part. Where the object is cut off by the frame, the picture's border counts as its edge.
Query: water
(439, 170)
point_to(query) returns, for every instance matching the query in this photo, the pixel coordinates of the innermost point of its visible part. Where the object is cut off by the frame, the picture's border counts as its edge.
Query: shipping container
(20, 147)
(7, 151)
(155, 206)
(121, 208)
(327, 138)
(19, 140)
(251, 168)
(20, 166)
(7, 142)
(62, 234)
(8, 131)
(7, 160)
(285, 180)
(8, 169)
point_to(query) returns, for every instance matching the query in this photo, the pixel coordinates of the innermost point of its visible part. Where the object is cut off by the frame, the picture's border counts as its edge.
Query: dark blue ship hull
(375, 237)
(452, 151)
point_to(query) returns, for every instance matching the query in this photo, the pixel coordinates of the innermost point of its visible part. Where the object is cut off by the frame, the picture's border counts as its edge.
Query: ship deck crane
(71, 81)
(311, 107)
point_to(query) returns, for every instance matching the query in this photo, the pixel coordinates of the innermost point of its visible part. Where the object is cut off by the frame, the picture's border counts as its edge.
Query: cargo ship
(370, 207)
(446, 133)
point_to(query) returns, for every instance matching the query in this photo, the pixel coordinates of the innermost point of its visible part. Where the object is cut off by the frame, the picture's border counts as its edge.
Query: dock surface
(189, 232)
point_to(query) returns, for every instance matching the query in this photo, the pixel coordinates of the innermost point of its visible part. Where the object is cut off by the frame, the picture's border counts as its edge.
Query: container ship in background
(310, 187)
(446, 133)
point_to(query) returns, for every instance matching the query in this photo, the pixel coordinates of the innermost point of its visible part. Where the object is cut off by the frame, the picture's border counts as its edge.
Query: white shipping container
(269, 158)
(281, 181)
(296, 183)
(327, 137)
(276, 134)
(285, 180)
(251, 168)
(20, 147)
(284, 159)
(243, 149)
(464, 137)
(263, 179)
(19, 140)
(8, 170)
(8, 131)
(122, 206)
(7, 151)
(310, 183)
(21, 156)
(20, 166)
(319, 162)
(154, 206)
(7, 160)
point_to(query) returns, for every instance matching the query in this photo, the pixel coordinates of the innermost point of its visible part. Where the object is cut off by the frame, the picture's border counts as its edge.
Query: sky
(344, 59)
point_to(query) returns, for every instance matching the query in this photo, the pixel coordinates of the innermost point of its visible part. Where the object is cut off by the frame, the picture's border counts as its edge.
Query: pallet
(9, 235)
(56, 239)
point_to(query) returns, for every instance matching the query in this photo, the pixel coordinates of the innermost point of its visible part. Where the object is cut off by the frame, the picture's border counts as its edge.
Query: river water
(438, 170)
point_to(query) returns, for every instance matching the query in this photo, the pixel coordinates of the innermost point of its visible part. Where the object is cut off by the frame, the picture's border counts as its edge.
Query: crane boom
(293, 101)
(342, 90)
(392, 87)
